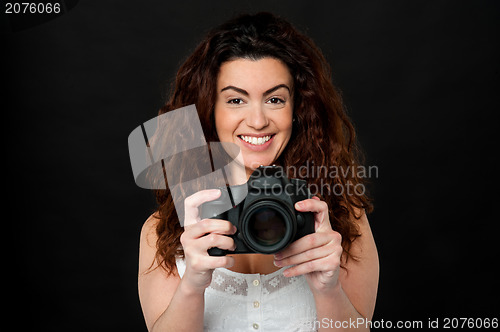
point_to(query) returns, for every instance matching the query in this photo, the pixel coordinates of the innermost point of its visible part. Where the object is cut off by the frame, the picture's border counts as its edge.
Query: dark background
(420, 80)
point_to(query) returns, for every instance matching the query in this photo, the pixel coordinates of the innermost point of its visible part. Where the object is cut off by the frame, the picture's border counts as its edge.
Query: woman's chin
(251, 167)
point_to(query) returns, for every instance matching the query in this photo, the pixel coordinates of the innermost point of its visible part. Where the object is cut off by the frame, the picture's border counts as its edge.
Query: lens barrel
(268, 226)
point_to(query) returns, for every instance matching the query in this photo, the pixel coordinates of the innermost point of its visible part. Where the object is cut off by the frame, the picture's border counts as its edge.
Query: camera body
(263, 212)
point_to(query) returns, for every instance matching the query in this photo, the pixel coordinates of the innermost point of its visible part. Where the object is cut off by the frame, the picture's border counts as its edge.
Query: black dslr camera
(263, 212)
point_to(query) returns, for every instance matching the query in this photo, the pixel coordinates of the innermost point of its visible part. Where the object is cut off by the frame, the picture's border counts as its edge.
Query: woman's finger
(320, 210)
(308, 255)
(327, 264)
(303, 244)
(205, 226)
(311, 205)
(191, 204)
(213, 240)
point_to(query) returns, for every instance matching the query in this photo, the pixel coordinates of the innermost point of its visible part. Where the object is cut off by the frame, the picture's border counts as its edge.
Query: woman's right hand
(200, 235)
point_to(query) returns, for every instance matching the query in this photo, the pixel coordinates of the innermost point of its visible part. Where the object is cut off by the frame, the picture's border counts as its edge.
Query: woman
(262, 85)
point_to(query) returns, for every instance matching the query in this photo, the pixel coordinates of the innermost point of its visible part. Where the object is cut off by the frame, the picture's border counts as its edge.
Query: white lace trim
(232, 283)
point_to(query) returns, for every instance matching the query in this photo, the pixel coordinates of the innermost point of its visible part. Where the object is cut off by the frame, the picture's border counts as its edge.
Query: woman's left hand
(316, 255)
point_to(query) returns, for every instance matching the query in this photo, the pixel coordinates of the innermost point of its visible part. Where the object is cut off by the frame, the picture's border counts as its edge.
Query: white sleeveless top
(257, 302)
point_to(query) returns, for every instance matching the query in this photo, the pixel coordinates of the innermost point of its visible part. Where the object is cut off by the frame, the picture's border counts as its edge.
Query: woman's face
(254, 108)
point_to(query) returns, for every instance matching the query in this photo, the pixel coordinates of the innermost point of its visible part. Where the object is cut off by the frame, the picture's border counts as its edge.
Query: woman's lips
(262, 142)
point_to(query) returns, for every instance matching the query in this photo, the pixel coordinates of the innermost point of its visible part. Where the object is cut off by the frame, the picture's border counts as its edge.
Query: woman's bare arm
(356, 293)
(166, 303)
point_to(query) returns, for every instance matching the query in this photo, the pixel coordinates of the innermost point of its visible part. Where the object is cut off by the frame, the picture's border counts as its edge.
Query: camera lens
(266, 226)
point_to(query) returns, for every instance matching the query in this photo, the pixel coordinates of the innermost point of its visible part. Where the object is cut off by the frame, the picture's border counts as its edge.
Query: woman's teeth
(255, 140)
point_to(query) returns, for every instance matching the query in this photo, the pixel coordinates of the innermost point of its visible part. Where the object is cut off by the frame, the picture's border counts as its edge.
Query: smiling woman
(259, 83)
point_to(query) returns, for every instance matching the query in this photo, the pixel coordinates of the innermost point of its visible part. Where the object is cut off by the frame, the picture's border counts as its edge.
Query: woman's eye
(235, 101)
(276, 100)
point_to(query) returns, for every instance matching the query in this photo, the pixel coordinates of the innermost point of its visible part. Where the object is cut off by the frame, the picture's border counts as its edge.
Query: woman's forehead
(254, 75)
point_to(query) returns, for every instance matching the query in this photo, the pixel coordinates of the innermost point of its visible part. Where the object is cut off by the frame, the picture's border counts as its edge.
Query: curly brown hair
(322, 133)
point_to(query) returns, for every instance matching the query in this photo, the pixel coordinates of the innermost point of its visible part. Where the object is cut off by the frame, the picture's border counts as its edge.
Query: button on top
(256, 282)
(255, 326)
(256, 304)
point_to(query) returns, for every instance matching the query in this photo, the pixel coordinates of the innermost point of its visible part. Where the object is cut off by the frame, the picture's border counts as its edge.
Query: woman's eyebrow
(276, 88)
(244, 92)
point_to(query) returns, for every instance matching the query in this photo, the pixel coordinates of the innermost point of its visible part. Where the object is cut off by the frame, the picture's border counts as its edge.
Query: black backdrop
(420, 81)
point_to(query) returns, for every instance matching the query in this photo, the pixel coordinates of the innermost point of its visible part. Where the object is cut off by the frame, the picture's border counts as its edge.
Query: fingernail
(277, 256)
(298, 205)
(276, 263)
(286, 273)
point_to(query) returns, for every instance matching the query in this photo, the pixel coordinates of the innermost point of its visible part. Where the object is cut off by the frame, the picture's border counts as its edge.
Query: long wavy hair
(323, 137)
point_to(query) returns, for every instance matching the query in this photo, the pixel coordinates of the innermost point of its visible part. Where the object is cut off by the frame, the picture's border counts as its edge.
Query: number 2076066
(32, 8)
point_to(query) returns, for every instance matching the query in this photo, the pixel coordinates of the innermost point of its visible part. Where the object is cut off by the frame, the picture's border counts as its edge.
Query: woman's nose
(256, 118)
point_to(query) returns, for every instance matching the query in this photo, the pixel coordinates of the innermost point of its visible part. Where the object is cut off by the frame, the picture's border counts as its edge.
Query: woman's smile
(256, 142)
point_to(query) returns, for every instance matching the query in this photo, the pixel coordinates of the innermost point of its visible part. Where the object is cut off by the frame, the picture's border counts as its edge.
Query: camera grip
(217, 252)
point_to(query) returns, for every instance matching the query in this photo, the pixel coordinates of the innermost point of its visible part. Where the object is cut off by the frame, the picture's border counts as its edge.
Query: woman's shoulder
(153, 279)
(154, 218)
(148, 231)
(365, 239)
(147, 243)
